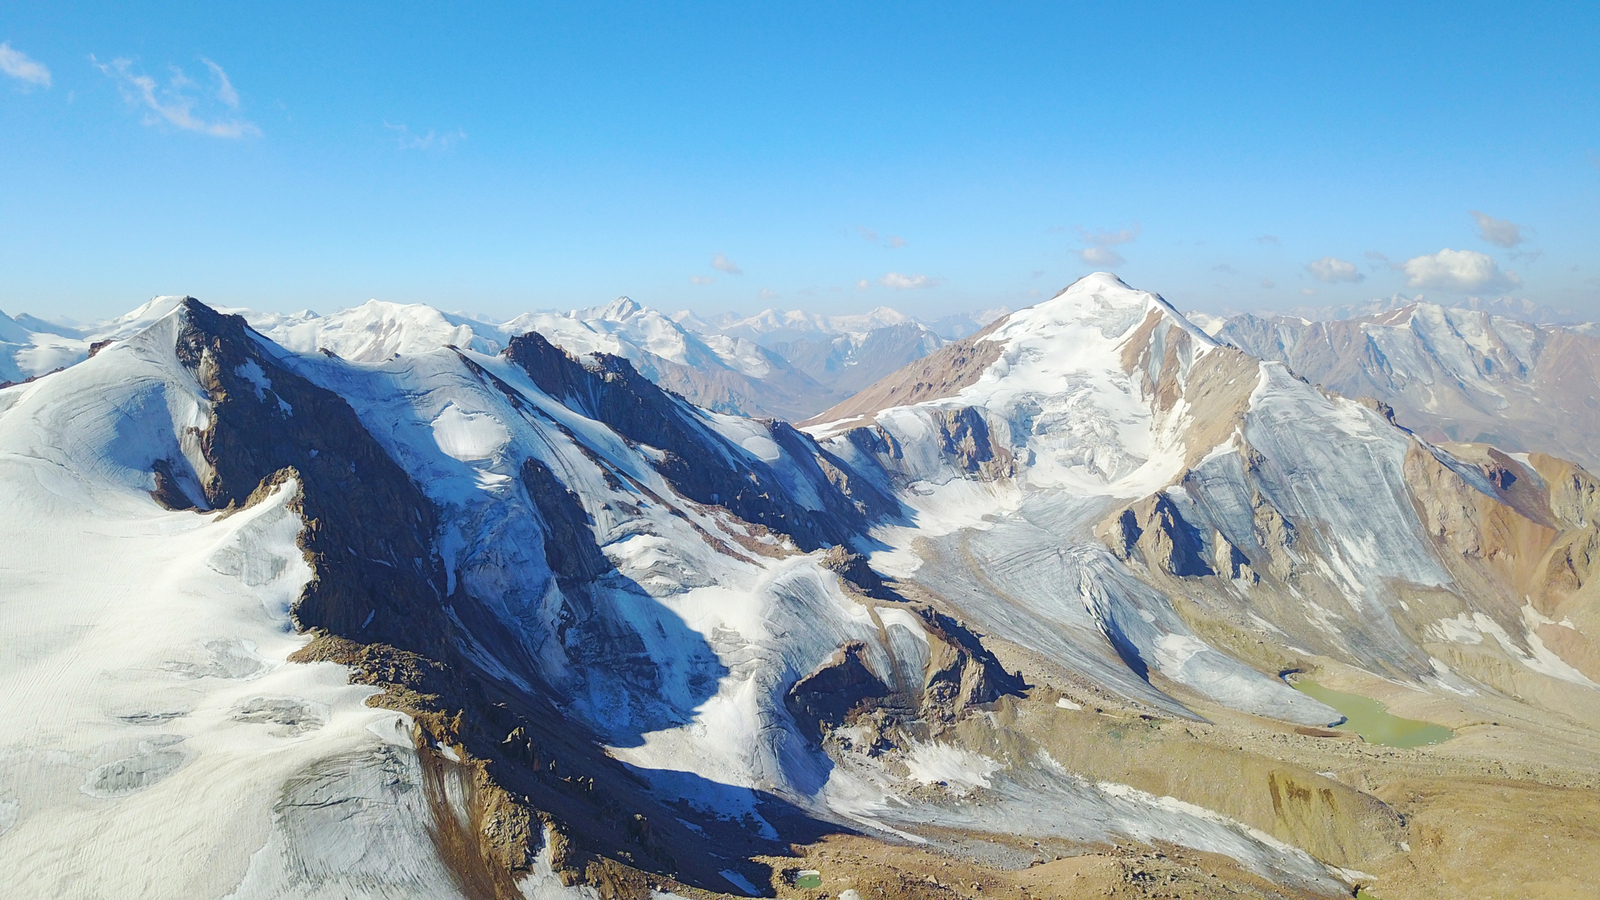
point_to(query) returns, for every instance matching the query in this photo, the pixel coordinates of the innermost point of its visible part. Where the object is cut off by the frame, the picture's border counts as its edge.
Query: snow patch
(955, 767)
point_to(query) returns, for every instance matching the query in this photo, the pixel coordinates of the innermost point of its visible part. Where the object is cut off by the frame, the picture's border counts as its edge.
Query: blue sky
(833, 157)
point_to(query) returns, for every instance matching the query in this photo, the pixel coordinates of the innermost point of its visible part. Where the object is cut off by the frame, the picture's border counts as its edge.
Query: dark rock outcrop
(824, 699)
(369, 528)
(1155, 529)
(569, 545)
(962, 672)
(377, 603)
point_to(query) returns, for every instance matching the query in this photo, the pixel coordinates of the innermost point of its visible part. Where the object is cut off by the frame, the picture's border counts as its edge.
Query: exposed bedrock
(827, 695)
(940, 374)
(1154, 528)
(961, 444)
(369, 528)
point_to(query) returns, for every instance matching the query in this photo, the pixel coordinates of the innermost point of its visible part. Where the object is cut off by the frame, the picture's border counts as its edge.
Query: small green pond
(808, 879)
(1371, 719)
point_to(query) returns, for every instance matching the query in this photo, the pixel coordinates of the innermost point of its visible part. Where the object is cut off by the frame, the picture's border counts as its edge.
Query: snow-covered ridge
(784, 364)
(31, 347)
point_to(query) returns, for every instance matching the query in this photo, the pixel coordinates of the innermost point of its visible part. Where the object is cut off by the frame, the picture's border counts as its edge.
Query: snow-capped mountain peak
(618, 310)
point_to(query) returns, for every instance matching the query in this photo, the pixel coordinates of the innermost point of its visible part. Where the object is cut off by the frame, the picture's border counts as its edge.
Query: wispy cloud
(892, 241)
(225, 91)
(863, 284)
(1110, 238)
(902, 282)
(1267, 285)
(176, 103)
(1269, 239)
(428, 140)
(1332, 270)
(768, 294)
(1100, 256)
(1224, 269)
(1498, 232)
(1376, 260)
(722, 263)
(1457, 270)
(23, 67)
(1099, 252)
(701, 279)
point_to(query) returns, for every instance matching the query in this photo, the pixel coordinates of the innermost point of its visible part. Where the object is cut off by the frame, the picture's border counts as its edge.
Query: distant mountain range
(783, 364)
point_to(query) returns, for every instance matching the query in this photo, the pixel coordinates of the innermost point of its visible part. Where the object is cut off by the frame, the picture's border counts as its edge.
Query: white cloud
(1266, 284)
(1269, 239)
(176, 103)
(863, 284)
(902, 282)
(768, 294)
(22, 67)
(1498, 232)
(1457, 270)
(432, 140)
(701, 279)
(1308, 292)
(1100, 256)
(1099, 252)
(722, 263)
(1331, 270)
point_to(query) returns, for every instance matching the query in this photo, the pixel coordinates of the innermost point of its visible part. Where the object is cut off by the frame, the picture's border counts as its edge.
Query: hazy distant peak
(618, 310)
(1520, 308)
(12, 331)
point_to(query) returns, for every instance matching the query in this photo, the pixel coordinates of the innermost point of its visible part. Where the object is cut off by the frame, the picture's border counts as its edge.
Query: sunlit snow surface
(376, 331)
(158, 743)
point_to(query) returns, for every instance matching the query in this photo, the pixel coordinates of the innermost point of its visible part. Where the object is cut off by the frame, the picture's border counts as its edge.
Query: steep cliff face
(369, 530)
(579, 512)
